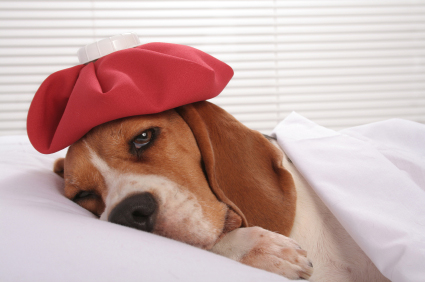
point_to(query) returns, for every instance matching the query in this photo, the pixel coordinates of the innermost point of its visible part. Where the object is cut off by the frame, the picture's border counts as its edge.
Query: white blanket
(372, 178)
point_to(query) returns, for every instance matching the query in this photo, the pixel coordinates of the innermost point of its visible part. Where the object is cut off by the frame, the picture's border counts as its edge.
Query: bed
(375, 188)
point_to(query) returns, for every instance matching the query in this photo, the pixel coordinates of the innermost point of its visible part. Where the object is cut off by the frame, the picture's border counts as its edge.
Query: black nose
(137, 211)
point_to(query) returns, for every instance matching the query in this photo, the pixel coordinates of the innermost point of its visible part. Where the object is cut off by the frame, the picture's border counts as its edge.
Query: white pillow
(46, 237)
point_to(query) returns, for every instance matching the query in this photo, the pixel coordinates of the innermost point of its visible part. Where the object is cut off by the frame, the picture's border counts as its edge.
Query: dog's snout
(137, 211)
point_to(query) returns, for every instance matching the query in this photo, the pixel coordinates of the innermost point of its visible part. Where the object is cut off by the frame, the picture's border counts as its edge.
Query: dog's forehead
(127, 127)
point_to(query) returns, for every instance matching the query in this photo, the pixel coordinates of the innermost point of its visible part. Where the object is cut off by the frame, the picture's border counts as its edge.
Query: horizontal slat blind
(339, 63)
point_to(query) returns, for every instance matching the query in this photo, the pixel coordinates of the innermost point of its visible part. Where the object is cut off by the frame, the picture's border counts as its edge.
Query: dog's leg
(266, 250)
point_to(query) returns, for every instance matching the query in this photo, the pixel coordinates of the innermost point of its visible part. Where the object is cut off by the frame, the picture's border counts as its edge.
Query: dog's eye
(143, 139)
(83, 195)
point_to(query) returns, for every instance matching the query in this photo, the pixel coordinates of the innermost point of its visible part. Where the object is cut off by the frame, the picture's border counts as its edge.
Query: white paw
(266, 250)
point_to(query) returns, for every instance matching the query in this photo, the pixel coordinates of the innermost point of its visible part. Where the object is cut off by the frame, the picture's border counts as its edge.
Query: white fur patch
(180, 215)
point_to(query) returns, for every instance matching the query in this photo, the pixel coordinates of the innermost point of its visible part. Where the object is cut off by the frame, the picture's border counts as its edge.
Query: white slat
(339, 63)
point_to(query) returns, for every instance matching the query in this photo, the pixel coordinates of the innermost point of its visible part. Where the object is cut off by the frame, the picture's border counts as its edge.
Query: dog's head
(191, 174)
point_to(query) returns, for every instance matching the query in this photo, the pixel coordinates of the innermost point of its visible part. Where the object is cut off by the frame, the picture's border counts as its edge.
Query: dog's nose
(137, 211)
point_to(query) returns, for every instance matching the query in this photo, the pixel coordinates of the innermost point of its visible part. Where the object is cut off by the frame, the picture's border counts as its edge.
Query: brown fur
(175, 156)
(230, 174)
(243, 168)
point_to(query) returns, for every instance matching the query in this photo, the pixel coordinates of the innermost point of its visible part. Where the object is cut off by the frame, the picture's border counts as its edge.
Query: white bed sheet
(372, 178)
(46, 237)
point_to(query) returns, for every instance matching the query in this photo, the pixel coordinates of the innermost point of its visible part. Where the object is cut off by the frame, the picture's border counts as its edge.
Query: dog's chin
(233, 221)
(204, 239)
(202, 234)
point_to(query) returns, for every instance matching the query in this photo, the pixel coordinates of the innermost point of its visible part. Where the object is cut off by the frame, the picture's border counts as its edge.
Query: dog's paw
(266, 250)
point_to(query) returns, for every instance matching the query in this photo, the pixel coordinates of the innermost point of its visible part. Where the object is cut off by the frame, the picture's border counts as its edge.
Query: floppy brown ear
(243, 168)
(58, 167)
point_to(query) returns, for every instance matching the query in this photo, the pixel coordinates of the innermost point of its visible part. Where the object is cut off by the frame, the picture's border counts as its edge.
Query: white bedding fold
(372, 178)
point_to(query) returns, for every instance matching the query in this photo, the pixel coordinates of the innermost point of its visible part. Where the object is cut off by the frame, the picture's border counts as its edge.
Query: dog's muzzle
(137, 211)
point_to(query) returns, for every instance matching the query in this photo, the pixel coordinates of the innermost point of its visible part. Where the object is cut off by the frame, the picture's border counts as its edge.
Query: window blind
(339, 63)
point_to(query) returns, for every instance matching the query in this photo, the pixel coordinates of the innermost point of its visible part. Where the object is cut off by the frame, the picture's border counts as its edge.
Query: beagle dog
(197, 175)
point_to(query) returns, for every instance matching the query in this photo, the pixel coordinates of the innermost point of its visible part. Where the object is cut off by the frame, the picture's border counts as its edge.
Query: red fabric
(148, 79)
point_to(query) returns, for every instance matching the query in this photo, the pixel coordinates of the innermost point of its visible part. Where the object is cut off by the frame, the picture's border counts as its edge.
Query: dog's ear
(59, 166)
(243, 168)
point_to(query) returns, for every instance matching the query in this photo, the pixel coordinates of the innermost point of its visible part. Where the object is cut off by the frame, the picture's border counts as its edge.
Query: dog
(197, 175)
